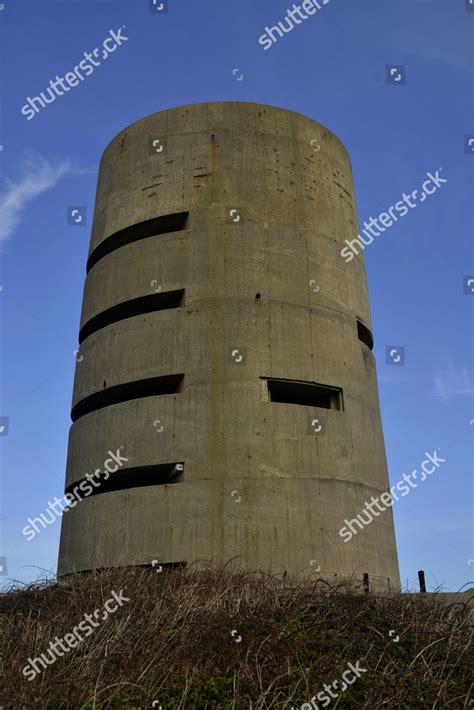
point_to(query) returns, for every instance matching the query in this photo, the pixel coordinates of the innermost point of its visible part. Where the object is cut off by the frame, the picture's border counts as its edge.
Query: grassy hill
(224, 639)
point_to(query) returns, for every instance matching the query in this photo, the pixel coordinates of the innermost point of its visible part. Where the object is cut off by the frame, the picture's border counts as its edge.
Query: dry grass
(172, 643)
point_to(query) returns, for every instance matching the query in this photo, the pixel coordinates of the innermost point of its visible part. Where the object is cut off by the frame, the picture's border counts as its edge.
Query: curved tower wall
(221, 350)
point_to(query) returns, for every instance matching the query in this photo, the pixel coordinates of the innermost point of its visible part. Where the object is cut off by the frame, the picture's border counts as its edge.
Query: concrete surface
(259, 485)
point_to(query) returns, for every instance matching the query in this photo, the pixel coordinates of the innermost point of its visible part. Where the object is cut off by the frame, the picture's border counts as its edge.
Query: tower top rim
(246, 104)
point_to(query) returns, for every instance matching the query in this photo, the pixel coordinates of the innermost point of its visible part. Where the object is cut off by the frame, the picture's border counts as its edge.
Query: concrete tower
(225, 346)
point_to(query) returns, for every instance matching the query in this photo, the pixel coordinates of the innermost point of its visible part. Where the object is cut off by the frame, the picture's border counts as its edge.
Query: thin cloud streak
(452, 383)
(36, 175)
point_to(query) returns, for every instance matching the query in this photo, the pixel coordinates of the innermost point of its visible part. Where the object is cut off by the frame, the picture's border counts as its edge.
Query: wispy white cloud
(35, 175)
(420, 38)
(452, 383)
(453, 58)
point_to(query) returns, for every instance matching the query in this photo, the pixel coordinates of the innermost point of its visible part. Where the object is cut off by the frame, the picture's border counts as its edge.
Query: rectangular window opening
(364, 335)
(309, 394)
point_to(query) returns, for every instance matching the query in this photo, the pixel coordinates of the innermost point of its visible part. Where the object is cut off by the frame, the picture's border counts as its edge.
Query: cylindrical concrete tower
(225, 354)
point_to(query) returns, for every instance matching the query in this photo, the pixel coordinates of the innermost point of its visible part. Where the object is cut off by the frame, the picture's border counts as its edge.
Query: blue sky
(331, 67)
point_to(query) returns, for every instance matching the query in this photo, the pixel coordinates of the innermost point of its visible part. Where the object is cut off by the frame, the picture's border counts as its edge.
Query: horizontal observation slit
(166, 567)
(151, 228)
(309, 394)
(365, 335)
(124, 479)
(150, 387)
(134, 307)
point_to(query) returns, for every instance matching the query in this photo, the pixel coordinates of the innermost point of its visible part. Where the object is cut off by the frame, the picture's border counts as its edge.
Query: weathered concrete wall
(294, 487)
